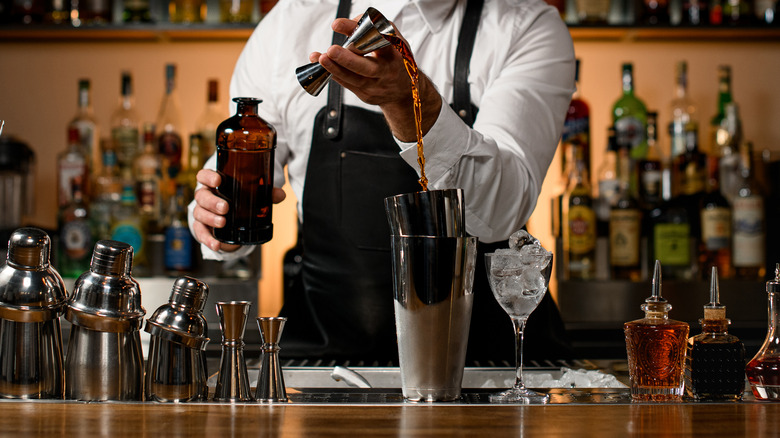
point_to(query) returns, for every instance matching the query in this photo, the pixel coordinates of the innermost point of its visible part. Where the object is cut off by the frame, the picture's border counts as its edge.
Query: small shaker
(32, 297)
(270, 381)
(104, 360)
(176, 363)
(233, 379)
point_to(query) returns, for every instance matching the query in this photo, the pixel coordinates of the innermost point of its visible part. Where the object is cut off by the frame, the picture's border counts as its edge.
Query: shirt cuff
(443, 146)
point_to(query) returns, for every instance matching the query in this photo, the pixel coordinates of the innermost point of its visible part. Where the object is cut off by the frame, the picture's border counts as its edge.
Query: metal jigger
(270, 381)
(233, 380)
(369, 35)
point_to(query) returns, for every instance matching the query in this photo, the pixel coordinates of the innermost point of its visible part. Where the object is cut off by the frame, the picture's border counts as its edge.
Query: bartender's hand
(210, 210)
(380, 78)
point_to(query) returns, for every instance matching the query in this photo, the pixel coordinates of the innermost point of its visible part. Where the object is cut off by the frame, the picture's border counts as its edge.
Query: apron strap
(468, 33)
(332, 126)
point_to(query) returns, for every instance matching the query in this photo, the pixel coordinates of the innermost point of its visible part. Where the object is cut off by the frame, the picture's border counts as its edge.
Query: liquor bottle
(84, 122)
(629, 117)
(738, 12)
(683, 112)
(608, 182)
(148, 173)
(654, 12)
(656, 349)
(650, 169)
(91, 12)
(625, 227)
(187, 11)
(245, 159)
(763, 371)
(107, 194)
(670, 237)
(715, 360)
(128, 228)
(716, 12)
(731, 136)
(169, 139)
(695, 13)
(718, 135)
(187, 178)
(178, 239)
(136, 11)
(592, 12)
(211, 118)
(236, 11)
(580, 223)
(71, 164)
(749, 226)
(765, 11)
(57, 12)
(75, 234)
(125, 124)
(715, 217)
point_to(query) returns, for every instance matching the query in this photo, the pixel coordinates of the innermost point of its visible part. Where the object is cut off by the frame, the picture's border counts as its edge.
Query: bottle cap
(29, 248)
(714, 310)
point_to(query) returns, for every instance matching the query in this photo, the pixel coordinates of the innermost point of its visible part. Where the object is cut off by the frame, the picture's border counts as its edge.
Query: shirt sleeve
(501, 163)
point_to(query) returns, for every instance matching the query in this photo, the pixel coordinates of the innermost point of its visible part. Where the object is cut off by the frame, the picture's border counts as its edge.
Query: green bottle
(629, 116)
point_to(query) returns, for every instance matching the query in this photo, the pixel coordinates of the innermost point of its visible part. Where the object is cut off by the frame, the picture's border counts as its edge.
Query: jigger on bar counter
(32, 297)
(233, 379)
(270, 381)
(104, 360)
(176, 364)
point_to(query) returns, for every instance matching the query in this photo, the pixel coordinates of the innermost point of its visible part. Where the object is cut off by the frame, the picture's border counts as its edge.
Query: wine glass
(518, 287)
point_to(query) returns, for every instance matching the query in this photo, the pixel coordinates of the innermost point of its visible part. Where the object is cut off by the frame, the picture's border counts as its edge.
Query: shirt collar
(433, 12)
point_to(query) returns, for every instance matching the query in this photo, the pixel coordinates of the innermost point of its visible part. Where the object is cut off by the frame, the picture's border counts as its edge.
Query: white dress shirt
(521, 77)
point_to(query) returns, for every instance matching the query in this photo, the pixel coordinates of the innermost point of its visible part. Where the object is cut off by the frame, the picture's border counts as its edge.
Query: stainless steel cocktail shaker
(32, 297)
(104, 360)
(176, 363)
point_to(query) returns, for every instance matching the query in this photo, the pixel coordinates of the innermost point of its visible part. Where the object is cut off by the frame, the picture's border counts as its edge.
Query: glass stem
(519, 325)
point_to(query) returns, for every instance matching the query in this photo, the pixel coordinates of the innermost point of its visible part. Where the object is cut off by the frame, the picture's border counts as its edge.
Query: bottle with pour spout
(714, 364)
(656, 349)
(763, 371)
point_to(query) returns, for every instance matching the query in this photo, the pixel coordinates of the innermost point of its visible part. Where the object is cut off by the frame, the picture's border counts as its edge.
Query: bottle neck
(628, 81)
(245, 109)
(774, 308)
(714, 325)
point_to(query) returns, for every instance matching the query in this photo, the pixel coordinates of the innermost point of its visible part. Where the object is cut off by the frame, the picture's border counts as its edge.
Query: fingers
(208, 178)
(278, 195)
(204, 236)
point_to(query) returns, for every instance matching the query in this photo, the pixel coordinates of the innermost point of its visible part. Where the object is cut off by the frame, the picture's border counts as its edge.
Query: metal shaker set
(104, 359)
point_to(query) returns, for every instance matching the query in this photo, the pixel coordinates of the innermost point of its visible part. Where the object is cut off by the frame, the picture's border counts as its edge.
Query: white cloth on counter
(521, 76)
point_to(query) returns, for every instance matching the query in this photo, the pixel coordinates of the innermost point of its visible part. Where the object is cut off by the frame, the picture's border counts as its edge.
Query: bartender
(496, 80)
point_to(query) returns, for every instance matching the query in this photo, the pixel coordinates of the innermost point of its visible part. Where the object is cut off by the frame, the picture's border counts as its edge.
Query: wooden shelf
(227, 32)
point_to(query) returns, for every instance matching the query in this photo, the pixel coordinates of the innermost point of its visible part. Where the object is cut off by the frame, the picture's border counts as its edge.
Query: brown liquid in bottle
(414, 75)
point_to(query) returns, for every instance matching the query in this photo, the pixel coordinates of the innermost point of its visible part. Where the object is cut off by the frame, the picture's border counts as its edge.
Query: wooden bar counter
(20, 419)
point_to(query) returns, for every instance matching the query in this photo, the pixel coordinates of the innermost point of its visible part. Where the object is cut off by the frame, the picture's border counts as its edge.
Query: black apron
(338, 282)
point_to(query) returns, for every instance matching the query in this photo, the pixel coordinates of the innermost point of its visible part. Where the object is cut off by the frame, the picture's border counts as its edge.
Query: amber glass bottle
(245, 161)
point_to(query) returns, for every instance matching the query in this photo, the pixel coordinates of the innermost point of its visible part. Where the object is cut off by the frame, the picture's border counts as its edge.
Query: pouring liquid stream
(414, 75)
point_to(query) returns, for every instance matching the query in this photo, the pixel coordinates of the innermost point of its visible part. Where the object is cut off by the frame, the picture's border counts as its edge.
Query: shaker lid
(190, 292)
(112, 257)
(29, 248)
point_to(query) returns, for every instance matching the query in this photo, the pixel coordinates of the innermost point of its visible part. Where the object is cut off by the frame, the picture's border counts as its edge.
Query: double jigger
(369, 35)
(233, 380)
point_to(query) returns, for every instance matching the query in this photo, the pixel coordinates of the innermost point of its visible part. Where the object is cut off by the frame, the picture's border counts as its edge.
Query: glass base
(520, 395)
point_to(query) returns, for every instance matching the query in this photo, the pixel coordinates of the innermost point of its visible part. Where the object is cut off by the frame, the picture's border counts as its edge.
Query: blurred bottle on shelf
(608, 184)
(75, 243)
(57, 12)
(650, 169)
(107, 194)
(629, 117)
(738, 12)
(236, 11)
(187, 11)
(715, 217)
(579, 230)
(670, 239)
(148, 173)
(128, 227)
(179, 244)
(27, 11)
(654, 12)
(592, 12)
(749, 222)
(91, 12)
(695, 13)
(86, 125)
(136, 11)
(187, 178)
(71, 164)
(716, 12)
(683, 112)
(625, 227)
(765, 11)
(212, 116)
(169, 124)
(125, 124)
